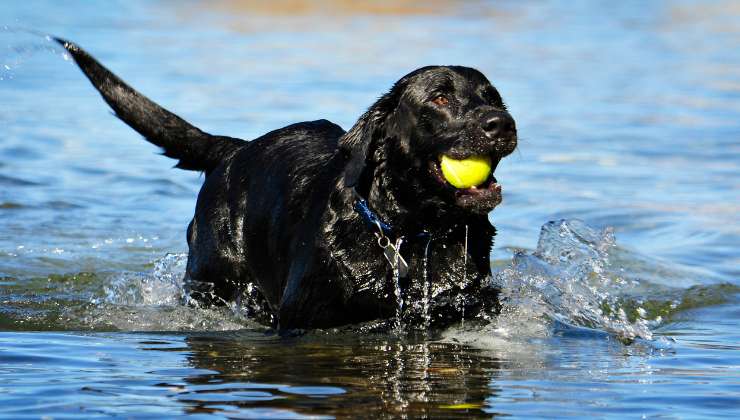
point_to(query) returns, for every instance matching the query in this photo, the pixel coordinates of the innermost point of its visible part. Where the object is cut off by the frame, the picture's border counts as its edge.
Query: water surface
(626, 305)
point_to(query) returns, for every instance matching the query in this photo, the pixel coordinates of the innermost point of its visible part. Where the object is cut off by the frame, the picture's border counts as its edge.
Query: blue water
(626, 306)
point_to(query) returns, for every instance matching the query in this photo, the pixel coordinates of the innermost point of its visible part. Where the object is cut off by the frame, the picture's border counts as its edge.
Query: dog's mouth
(483, 195)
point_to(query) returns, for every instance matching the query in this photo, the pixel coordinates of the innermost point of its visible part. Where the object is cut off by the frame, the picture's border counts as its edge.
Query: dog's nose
(498, 125)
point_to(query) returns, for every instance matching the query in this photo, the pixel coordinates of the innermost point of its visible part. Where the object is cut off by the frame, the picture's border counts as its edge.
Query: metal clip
(392, 253)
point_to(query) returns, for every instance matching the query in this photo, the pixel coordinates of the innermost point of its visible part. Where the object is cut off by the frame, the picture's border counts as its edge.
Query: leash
(383, 233)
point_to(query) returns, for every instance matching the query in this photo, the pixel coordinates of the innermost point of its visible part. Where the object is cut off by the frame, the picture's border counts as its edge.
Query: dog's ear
(357, 143)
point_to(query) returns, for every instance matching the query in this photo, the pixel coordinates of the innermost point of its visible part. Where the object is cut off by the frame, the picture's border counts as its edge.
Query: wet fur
(277, 212)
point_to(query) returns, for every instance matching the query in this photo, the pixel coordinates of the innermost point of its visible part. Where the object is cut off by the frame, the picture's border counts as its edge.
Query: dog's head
(431, 112)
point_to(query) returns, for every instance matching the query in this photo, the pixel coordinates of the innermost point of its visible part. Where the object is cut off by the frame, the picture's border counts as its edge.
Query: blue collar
(372, 221)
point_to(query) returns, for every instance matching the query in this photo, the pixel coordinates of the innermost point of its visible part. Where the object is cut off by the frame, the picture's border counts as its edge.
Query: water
(625, 305)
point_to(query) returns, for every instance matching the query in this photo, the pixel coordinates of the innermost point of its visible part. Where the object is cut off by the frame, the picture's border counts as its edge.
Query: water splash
(157, 300)
(426, 316)
(461, 300)
(577, 281)
(162, 286)
(13, 56)
(397, 287)
(568, 279)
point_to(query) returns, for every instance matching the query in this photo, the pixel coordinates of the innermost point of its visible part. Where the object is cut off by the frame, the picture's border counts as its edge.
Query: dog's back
(259, 209)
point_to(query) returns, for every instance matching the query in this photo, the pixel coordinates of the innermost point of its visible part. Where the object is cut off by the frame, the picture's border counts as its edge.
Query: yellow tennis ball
(466, 173)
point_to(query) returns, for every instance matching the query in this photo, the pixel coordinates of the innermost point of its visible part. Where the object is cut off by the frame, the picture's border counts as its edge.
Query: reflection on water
(369, 374)
(628, 117)
(327, 375)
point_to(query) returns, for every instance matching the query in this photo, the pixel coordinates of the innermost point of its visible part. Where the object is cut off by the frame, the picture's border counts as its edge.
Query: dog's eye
(441, 100)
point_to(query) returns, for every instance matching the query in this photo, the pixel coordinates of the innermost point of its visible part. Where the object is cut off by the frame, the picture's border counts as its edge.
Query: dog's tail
(195, 149)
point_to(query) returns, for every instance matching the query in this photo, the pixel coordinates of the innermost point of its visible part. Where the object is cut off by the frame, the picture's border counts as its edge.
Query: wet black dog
(323, 227)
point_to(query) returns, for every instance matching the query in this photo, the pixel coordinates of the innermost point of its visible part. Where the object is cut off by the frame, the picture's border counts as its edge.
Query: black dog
(322, 227)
